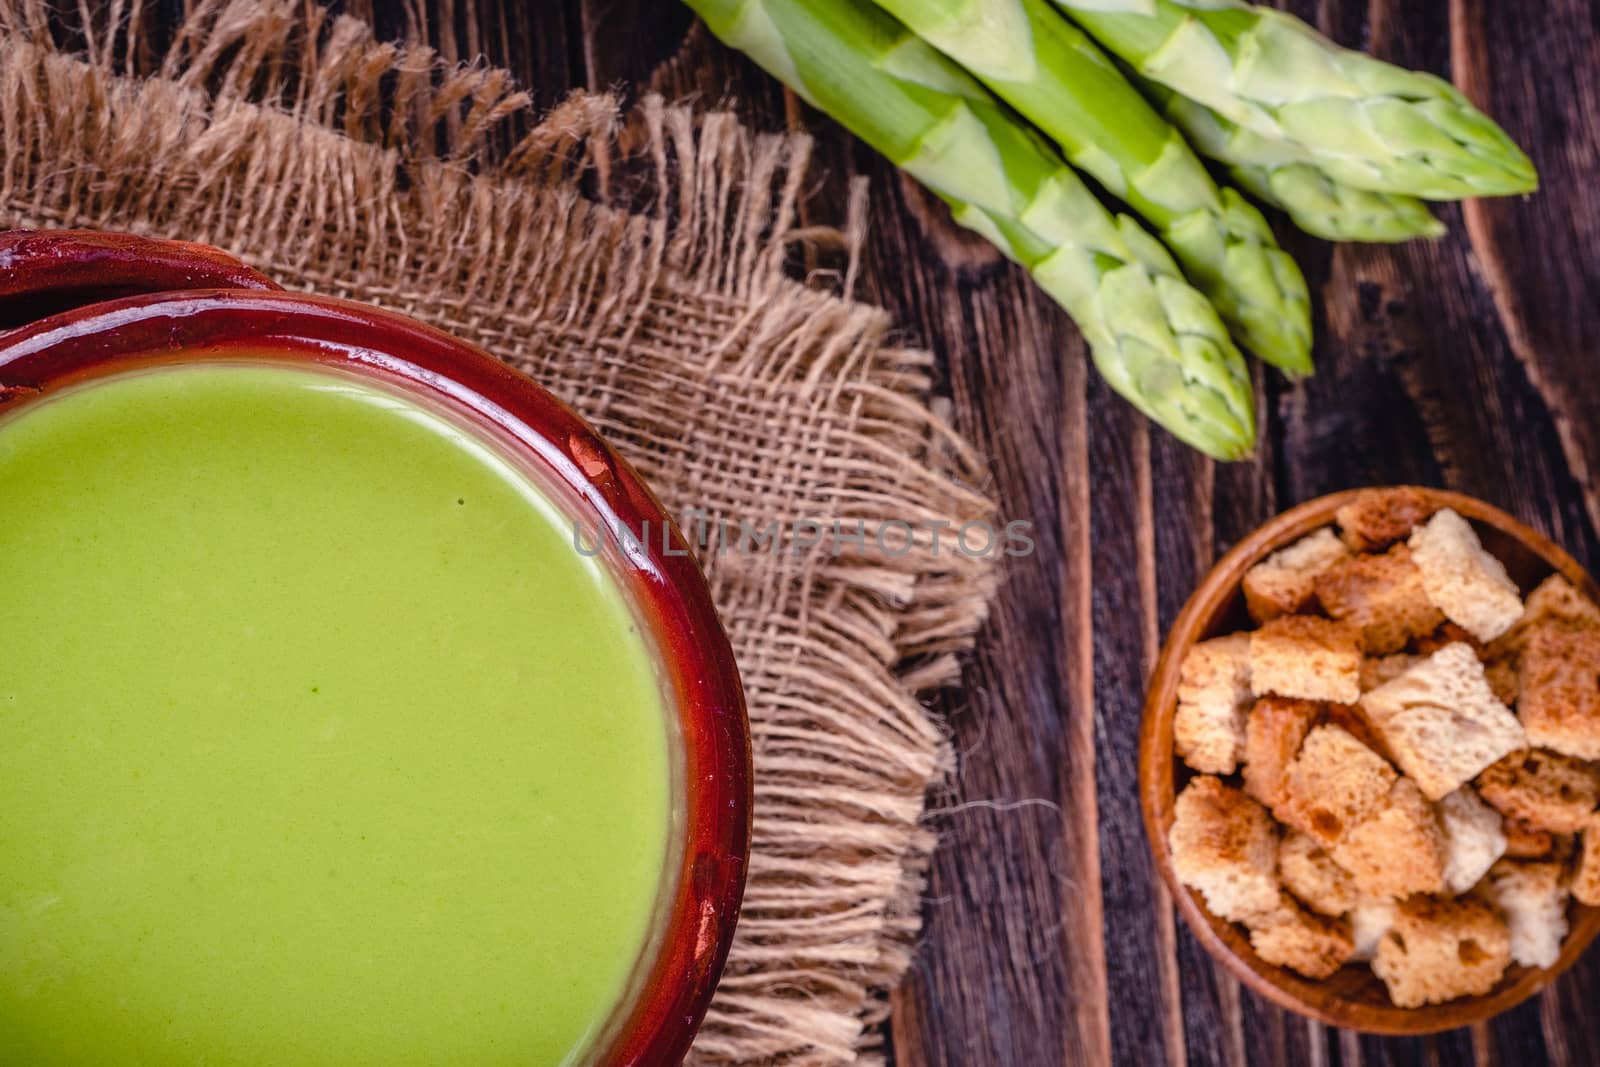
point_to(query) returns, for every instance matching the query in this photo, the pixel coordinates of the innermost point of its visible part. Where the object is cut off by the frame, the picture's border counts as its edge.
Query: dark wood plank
(1518, 1038)
(1535, 68)
(1208, 1004)
(623, 40)
(1147, 1027)
(1007, 350)
(1031, 909)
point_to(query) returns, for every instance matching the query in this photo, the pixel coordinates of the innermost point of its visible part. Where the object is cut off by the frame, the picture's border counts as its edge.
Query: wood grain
(1467, 362)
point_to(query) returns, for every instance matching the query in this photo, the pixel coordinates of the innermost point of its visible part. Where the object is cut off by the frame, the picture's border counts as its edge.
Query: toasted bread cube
(1525, 842)
(1399, 851)
(1311, 876)
(1377, 670)
(1476, 838)
(1284, 582)
(1505, 679)
(1377, 518)
(1464, 581)
(1213, 695)
(1308, 658)
(1560, 703)
(1369, 921)
(1545, 790)
(1289, 936)
(1383, 595)
(1442, 722)
(1353, 721)
(1446, 635)
(1272, 736)
(1439, 950)
(1225, 846)
(1333, 785)
(1533, 899)
(1586, 878)
(1555, 600)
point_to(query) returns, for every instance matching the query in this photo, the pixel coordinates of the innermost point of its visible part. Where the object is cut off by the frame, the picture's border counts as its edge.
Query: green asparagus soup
(319, 741)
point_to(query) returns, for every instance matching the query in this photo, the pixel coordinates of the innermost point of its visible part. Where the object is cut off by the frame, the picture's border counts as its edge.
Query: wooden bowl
(1354, 997)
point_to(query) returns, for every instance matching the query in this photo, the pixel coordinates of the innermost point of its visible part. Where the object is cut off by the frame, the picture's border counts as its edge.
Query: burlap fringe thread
(369, 170)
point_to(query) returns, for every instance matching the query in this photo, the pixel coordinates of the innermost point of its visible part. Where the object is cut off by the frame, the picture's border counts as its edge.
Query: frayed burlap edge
(634, 262)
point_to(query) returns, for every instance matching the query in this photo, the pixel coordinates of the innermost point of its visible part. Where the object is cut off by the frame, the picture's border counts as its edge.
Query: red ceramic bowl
(45, 273)
(70, 291)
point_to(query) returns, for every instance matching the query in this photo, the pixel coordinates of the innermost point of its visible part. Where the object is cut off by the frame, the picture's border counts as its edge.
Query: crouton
(1333, 785)
(1442, 722)
(1289, 936)
(1377, 518)
(1447, 634)
(1376, 670)
(1283, 583)
(1475, 837)
(1369, 921)
(1563, 847)
(1305, 657)
(1272, 736)
(1504, 677)
(1310, 874)
(1439, 950)
(1545, 790)
(1225, 846)
(1586, 878)
(1465, 582)
(1560, 703)
(1555, 600)
(1213, 693)
(1533, 899)
(1383, 595)
(1524, 842)
(1399, 851)
(1353, 721)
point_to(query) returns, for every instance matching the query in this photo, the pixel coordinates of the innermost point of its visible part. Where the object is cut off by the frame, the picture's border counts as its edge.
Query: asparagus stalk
(1158, 341)
(1366, 123)
(1046, 68)
(1282, 174)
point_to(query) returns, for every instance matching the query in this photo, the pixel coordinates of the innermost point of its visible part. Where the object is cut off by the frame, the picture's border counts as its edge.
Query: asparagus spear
(1283, 175)
(1157, 341)
(1046, 68)
(1368, 124)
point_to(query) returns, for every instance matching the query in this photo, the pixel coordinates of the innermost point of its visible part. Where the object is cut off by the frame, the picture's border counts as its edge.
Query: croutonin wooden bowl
(1354, 997)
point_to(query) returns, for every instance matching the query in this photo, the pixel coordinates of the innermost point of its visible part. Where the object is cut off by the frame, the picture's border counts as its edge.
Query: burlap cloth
(634, 263)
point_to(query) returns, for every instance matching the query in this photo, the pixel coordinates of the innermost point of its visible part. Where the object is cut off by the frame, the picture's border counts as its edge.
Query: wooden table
(1470, 362)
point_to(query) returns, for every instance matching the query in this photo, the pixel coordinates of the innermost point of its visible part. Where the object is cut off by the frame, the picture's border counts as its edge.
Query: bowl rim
(50, 271)
(1158, 762)
(661, 575)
